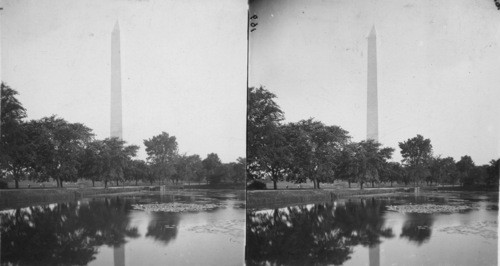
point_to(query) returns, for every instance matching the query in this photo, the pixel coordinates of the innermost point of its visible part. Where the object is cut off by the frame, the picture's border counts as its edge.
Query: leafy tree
(12, 111)
(464, 167)
(315, 150)
(18, 154)
(195, 168)
(376, 159)
(275, 155)
(116, 157)
(238, 170)
(392, 172)
(136, 170)
(366, 161)
(263, 118)
(213, 167)
(92, 165)
(187, 167)
(58, 146)
(436, 167)
(492, 172)
(348, 169)
(478, 174)
(416, 153)
(15, 149)
(162, 152)
(443, 170)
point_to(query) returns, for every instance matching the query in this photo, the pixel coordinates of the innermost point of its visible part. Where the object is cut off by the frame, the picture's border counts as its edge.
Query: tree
(376, 159)
(275, 155)
(214, 168)
(315, 150)
(186, 167)
(162, 152)
(464, 167)
(92, 161)
(344, 168)
(492, 172)
(263, 118)
(238, 173)
(15, 149)
(443, 170)
(392, 172)
(11, 112)
(116, 157)
(416, 153)
(136, 170)
(364, 162)
(58, 146)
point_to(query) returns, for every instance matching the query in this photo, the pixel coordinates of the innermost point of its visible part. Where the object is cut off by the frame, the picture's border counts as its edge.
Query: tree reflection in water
(314, 234)
(417, 227)
(163, 227)
(64, 234)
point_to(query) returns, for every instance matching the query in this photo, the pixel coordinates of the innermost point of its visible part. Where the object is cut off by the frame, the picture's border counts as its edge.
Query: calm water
(107, 231)
(364, 232)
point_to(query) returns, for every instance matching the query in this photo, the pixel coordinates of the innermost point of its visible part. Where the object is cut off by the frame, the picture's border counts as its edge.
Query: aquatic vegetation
(428, 208)
(485, 229)
(234, 228)
(175, 207)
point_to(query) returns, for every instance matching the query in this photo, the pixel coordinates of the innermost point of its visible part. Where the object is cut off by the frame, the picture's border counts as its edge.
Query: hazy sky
(183, 67)
(438, 68)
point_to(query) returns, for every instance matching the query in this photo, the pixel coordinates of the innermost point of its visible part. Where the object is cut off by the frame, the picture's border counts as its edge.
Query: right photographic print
(373, 132)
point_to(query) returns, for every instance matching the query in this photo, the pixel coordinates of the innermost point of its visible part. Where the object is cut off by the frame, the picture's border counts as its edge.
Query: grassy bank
(16, 198)
(240, 186)
(260, 199)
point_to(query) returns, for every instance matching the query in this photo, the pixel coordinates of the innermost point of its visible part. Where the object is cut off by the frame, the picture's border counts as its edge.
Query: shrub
(256, 185)
(3, 184)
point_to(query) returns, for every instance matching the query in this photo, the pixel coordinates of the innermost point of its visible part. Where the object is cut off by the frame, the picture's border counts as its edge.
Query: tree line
(309, 149)
(52, 148)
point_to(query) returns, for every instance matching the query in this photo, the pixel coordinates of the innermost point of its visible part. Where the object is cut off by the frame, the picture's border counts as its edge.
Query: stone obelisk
(372, 117)
(372, 101)
(116, 113)
(116, 84)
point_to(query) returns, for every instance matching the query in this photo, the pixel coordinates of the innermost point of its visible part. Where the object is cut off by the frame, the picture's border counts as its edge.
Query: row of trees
(309, 149)
(52, 148)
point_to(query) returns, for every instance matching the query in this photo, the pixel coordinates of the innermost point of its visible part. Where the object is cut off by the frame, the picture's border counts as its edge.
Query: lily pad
(428, 208)
(175, 207)
(485, 229)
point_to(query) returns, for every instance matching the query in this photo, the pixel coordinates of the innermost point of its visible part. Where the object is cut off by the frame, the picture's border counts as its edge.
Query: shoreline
(20, 198)
(262, 199)
(272, 199)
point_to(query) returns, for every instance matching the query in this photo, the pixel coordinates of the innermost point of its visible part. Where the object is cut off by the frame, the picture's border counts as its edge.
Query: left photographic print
(122, 134)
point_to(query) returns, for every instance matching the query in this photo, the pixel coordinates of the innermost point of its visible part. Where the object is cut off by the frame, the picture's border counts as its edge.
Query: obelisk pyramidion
(116, 84)
(372, 102)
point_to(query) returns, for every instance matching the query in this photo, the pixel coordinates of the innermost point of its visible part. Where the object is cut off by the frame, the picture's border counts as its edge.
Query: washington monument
(116, 84)
(372, 116)
(372, 102)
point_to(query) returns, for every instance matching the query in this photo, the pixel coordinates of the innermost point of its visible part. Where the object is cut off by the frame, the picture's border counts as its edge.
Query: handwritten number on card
(253, 23)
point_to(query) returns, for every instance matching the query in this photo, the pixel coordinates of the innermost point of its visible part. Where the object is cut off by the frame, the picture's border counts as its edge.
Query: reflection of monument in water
(372, 116)
(116, 114)
(119, 255)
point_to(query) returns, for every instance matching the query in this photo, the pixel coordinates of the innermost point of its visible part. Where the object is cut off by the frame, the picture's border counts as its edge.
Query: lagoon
(364, 231)
(109, 231)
